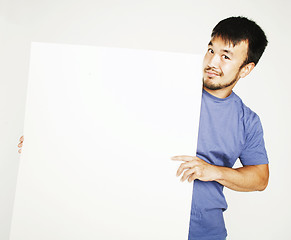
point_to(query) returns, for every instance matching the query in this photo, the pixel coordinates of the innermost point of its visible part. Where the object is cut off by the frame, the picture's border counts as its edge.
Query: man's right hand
(20, 143)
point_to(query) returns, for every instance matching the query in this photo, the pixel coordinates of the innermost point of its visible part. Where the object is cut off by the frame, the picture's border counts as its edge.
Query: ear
(246, 69)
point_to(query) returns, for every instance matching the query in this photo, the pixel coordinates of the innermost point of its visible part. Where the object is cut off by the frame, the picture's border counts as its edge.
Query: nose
(214, 61)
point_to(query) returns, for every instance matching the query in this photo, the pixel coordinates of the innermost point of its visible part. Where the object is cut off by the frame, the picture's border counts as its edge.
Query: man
(228, 130)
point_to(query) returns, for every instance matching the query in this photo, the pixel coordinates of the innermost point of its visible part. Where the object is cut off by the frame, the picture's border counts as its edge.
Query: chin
(211, 85)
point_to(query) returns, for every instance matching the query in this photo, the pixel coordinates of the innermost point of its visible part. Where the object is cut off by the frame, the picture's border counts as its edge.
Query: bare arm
(247, 178)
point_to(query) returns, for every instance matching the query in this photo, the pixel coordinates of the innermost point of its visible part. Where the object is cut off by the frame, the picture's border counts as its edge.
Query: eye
(210, 50)
(226, 57)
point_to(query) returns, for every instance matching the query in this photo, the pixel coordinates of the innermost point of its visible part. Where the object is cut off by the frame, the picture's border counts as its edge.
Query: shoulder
(253, 151)
(248, 116)
(251, 124)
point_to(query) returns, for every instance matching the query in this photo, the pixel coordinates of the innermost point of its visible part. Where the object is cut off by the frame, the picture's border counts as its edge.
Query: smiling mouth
(212, 73)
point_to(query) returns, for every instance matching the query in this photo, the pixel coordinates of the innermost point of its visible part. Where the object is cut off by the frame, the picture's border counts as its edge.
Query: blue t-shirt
(228, 130)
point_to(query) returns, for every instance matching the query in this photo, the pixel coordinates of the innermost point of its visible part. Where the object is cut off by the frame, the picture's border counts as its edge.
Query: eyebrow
(223, 50)
(227, 51)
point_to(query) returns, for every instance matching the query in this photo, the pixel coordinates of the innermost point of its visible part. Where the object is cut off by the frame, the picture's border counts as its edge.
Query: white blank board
(100, 127)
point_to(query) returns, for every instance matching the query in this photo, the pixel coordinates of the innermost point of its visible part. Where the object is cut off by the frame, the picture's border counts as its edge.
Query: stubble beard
(218, 86)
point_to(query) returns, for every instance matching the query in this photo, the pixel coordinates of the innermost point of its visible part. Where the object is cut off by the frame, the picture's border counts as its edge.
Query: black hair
(236, 29)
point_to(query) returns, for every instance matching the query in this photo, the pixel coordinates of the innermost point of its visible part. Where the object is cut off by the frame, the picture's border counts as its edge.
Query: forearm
(244, 179)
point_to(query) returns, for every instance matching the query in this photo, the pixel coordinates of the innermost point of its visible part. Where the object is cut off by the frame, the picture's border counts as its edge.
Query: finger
(182, 158)
(187, 174)
(19, 151)
(192, 177)
(21, 139)
(196, 175)
(20, 145)
(184, 166)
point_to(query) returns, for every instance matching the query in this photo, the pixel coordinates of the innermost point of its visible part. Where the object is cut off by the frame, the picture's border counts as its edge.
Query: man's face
(222, 63)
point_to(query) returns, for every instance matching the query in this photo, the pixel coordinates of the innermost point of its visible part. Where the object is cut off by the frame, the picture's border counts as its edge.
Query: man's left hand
(196, 168)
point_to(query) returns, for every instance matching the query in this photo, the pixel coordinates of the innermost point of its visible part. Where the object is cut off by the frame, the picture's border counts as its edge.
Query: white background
(176, 26)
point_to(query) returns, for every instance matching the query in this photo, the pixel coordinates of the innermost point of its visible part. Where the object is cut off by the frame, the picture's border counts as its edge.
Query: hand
(20, 143)
(196, 168)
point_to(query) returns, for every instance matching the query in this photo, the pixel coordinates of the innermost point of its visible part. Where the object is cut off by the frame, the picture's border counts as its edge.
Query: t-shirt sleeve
(254, 151)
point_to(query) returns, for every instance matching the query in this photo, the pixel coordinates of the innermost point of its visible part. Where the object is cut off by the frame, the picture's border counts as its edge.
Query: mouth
(212, 73)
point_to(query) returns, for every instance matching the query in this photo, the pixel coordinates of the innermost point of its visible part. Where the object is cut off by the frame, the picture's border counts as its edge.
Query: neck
(220, 93)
